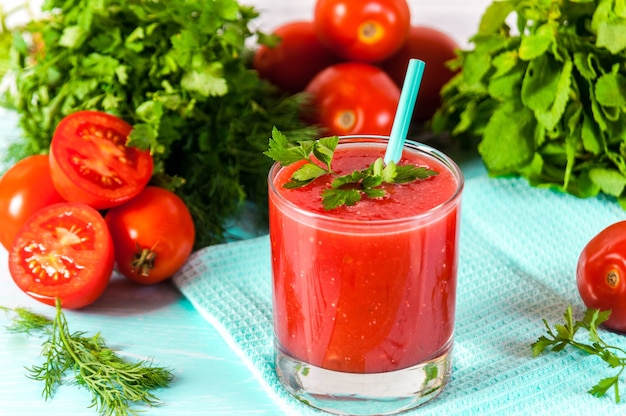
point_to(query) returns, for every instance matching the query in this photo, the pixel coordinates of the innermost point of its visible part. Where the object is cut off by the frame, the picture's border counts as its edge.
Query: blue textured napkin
(519, 248)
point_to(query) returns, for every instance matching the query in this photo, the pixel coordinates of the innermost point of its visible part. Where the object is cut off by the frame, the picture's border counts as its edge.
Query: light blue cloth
(519, 248)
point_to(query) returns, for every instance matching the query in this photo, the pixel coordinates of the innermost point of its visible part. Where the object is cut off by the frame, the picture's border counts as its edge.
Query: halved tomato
(63, 251)
(91, 163)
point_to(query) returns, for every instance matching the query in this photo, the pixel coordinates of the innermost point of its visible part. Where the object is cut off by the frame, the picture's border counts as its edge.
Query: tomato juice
(368, 288)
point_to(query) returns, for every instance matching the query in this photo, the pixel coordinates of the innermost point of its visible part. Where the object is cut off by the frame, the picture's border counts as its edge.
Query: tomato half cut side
(90, 161)
(64, 250)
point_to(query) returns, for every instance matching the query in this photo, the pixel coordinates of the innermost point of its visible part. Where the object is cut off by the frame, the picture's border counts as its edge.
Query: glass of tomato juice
(364, 295)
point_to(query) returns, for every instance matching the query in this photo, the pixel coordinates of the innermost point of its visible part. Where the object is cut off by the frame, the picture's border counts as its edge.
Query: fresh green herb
(5, 42)
(547, 99)
(348, 189)
(26, 321)
(115, 384)
(180, 72)
(565, 334)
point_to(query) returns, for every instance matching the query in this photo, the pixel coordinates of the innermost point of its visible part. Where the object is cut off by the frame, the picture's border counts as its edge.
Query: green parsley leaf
(283, 152)
(308, 173)
(335, 197)
(565, 336)
(410, 173)
(346, 189)
(351, 178)
(325, 149)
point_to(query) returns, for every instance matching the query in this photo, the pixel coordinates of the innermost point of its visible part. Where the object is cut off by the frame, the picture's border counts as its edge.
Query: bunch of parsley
(546, 99)
(179, 71)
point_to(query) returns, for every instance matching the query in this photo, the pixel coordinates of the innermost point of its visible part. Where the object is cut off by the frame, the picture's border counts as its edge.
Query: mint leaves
(547, 99)
(565, 335)
(345, 189)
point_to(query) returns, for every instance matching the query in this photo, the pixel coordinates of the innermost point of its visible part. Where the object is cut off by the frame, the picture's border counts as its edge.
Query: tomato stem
(370, 32)
(143, 261)
(612, 278)
(347, 119)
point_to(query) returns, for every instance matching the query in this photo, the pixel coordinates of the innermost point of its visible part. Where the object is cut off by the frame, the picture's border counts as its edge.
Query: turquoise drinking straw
(404, 112)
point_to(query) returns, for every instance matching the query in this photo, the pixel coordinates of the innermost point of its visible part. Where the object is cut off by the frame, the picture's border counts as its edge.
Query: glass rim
(411, 144)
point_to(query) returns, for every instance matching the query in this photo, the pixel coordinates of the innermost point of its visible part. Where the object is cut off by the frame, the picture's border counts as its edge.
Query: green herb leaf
(285, 153)
(352, 178)
(115, 384)
(410, 173)
(26, 321)
(325, 149)
(307, 173)
(335, 197)
(611, 90)
(565, 336)
(601, 388)
(546, 98)
(345, 189)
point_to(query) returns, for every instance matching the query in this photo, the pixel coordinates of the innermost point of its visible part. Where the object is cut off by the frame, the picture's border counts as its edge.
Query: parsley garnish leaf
(335, 197)
(325, 149)
(306, 174)
(565, 335)
(282, 152)
(345, 189)
(409, 173)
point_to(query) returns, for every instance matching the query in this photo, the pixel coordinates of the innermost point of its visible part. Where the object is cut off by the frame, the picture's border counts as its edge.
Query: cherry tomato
(353, 98)
(295, 60)
(362, 30)
(64, 250)
(24, 189)
(435, 48)
(601, 274)
(153, 235)
(90, 162)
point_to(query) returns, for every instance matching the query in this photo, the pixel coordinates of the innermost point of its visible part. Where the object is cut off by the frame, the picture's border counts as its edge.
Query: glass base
(364, 394)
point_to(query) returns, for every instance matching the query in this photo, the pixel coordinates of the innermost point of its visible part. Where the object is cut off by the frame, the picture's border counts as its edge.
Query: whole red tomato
(24, 189)
(63, 251)
(153, 235)
(295, 60)
(353, 98)
(362, 30)
(601, 274)
(91, 163)
(435, 48)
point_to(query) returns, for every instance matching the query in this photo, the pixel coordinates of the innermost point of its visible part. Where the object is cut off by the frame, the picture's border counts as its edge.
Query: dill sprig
(116, 385)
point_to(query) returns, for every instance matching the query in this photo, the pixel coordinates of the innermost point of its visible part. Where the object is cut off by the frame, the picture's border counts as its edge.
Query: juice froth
(369, 288)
